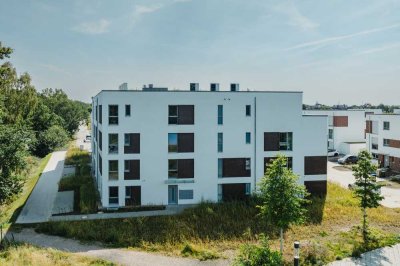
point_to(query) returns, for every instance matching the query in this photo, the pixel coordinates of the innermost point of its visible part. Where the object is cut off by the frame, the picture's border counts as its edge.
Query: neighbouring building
(346, 132)
(383, 139)
(159, 147)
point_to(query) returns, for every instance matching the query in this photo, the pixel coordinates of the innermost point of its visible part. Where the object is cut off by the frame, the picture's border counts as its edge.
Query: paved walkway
(40, 203)
(120, 256)
(387, 256)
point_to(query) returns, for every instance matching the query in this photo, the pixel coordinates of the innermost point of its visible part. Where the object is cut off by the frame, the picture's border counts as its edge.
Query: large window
(113, 170)
(220, 114)
(234, 167)
(180, 142)
(181, 168)
(286, 141)
(248, 110)
(113, 114)
(386, 125)
(181, 114)
(374, 143)
(113, 195)
(220, 143)
(131, 170)
(113, 143)
(131, 143)
(132, 195)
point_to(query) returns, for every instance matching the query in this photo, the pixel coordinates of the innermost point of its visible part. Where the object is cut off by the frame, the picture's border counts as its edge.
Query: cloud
(94, 27)
(295, 17)
(330, 40)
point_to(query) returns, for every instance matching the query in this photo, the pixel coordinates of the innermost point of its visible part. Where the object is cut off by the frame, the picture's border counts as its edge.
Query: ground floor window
(113, 195)
(232, 192)
(133, 196)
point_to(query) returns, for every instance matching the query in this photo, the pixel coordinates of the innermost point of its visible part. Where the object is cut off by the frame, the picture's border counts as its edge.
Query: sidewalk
(387, 256)
(39, 205)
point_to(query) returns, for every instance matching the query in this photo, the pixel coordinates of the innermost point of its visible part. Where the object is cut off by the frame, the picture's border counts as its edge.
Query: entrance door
(386, 161)
(172, 194)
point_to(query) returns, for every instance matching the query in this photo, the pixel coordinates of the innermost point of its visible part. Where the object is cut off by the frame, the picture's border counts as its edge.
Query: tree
(366, 188)
(283, 198)
(52, 138)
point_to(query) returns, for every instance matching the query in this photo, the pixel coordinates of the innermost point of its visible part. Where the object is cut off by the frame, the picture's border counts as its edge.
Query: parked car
(88, 138)
(348, 159)
(333, 153)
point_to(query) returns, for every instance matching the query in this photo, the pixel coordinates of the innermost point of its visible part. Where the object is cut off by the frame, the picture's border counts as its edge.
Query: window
(132, 195)
(181, 168)
(113, 170)
(269, 160)
(131, 169)
(220, 114)
(100, 114)
(315, 165)
(386, 142)
(247, 165)
(127, 110)
(374, 143)
(113, 143)
(131, 143)
(186, 194)
(100, 140)
(220, 165)
(248, 110)
(220, 144)
(330, 134)
(113, 195)
(97, 112)
(172, 142)
(386, 125)
(173, 114)
(248, 137)
(248, 188)
(181, 114)
(113, 114)
(375, 127)
(100, 165)
(172, 168)
(286, 141)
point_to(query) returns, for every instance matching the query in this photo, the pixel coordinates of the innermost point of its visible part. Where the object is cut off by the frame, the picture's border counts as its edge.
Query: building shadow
(315, 210)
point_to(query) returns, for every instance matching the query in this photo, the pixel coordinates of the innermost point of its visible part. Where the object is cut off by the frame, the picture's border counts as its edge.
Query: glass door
(172, 194)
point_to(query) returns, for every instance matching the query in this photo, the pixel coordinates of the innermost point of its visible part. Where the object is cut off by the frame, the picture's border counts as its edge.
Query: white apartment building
(346, 128)
(383, 139)
(160, 147)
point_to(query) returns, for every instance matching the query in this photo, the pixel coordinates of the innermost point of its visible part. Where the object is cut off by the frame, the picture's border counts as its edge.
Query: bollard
(296, 253)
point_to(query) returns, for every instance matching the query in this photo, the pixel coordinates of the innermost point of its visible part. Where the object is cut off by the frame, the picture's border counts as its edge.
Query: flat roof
(203, 91)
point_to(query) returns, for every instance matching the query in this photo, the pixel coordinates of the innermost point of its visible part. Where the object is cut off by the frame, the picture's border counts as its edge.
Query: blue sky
(334, 51)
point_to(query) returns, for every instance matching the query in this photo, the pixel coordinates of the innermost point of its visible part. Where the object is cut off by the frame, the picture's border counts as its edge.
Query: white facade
(383, 139)
(346, 128)
(269, 112)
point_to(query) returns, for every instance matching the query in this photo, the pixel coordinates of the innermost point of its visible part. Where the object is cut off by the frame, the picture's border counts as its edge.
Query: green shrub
(255, 255)
(88, 196)
(190, 251)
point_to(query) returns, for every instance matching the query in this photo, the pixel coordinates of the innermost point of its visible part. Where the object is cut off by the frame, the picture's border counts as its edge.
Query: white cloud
(94, 27)
(381, 49)
(330, 40)
(295, 17)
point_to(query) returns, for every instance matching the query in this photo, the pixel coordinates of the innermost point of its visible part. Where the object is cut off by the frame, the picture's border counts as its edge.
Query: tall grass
(24, 254)
(224, 226)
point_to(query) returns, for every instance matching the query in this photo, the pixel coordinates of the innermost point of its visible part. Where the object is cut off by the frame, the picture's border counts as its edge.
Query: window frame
(386, 125)
(113, 197)
(127, 110)
(170, 150)
(220, 114)
(288, 142)
(220, 142)
(110, 145)
(173, 118)
(248, 110)
(248, 137)
(386, 142)
(173, 170)
(112, 117)
(111, 173)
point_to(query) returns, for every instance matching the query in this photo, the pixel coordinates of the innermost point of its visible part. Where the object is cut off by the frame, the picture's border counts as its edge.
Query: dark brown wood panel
(271, 141)
(340, 121)
(234, 167)
(136, 196)
(368, 126)
(395, 164)
(316, 188)
(231, 192)
(135, 144)
(315, 165)
(134, 170)
(186, 168)
(186, 114)
(185, 142)
(394, 143)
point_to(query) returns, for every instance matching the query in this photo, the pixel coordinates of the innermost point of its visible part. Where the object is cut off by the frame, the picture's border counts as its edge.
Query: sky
(336, 52)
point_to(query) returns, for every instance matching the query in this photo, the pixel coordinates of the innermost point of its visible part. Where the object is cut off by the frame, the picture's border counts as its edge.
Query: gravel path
(119, 256)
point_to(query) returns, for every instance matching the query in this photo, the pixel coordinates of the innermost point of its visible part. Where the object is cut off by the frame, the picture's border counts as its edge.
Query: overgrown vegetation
(31, 123)
(82, 183)
(25, 255)
(325, 236)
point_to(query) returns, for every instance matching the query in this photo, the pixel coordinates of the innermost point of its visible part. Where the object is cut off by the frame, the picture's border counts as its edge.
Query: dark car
(348, 159)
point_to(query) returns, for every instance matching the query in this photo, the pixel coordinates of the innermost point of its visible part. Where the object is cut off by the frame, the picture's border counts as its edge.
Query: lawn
(213, 230)
(9, 211)
(26, 255)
